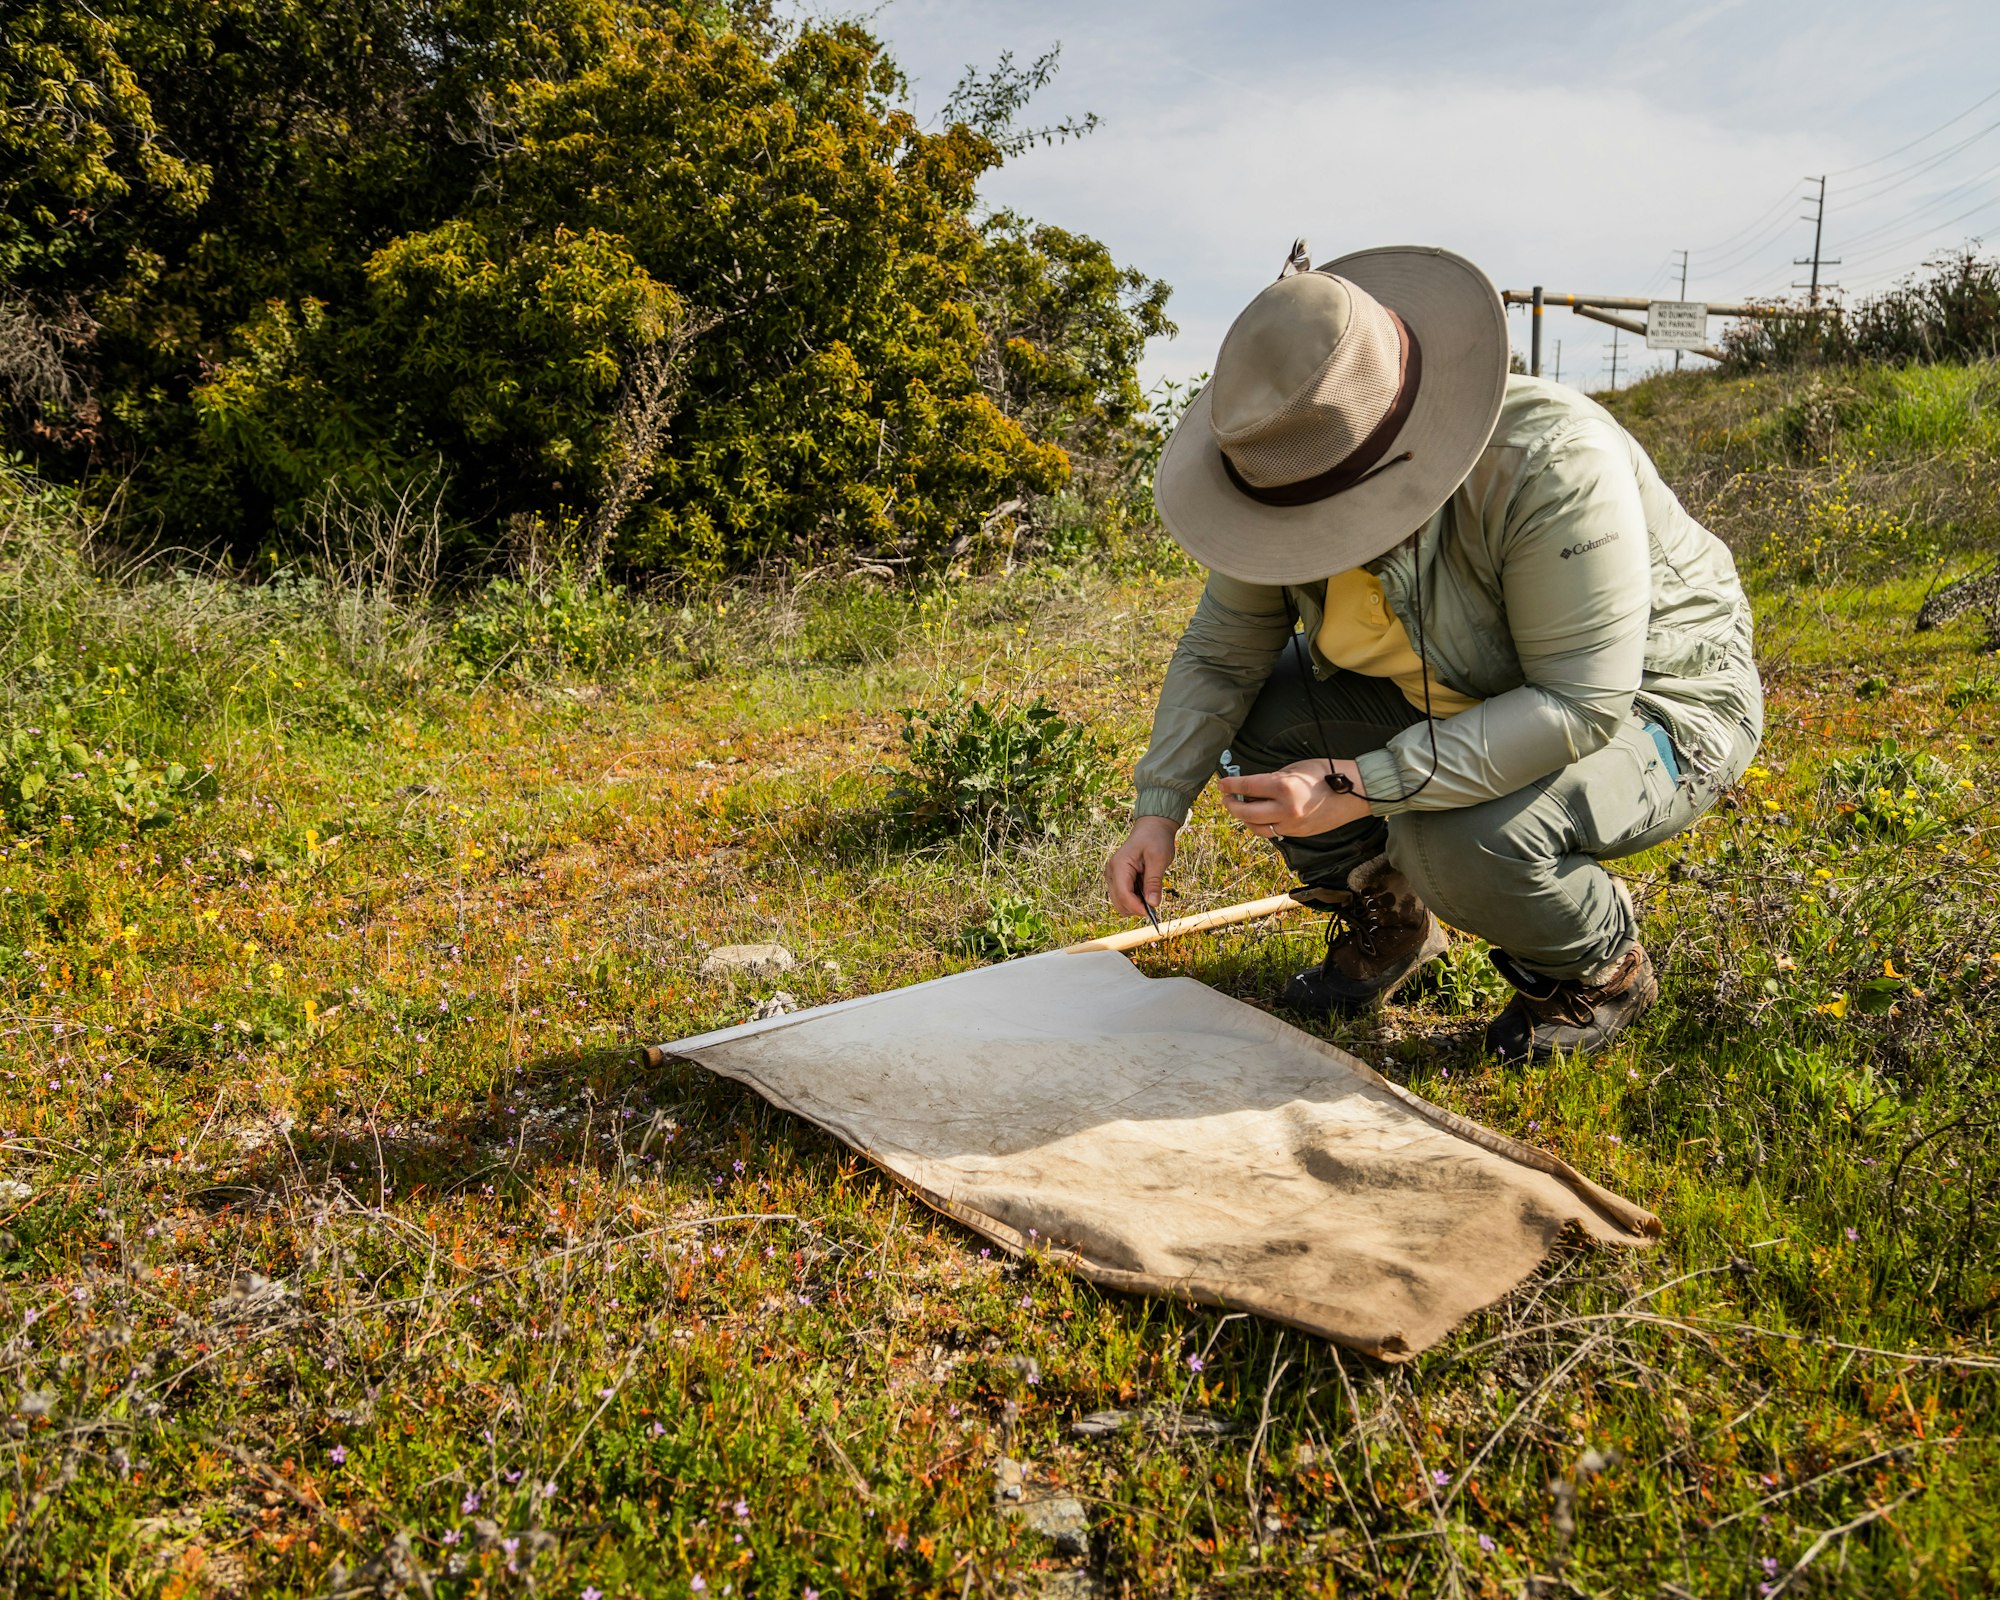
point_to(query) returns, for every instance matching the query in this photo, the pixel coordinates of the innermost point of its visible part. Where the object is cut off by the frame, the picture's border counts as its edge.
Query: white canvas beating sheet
(1174, 1141)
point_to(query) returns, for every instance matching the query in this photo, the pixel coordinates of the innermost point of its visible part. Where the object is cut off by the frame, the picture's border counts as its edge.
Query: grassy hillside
(349, 1248)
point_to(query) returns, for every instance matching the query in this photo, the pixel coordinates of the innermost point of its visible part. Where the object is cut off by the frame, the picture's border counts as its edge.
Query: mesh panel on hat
(1332, 412)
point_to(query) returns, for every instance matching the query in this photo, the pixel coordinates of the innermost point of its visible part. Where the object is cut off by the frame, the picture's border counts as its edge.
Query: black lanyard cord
(1338, 781)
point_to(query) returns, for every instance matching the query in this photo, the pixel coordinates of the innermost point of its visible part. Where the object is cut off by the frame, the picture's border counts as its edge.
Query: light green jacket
(1562, 584)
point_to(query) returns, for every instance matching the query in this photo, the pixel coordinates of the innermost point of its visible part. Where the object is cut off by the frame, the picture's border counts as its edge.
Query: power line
(1662, 274)
(1762, 217)
(1751, 251)
(1767, 236)
(1908, 239)
(1936, 202)
(1763, 230)
(1893, 249)
(1920, 138)
(1889, 182)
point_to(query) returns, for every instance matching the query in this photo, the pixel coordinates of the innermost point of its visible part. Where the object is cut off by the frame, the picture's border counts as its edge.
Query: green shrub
(1465, 982)
(1071, 526)
(697, 282)
(1950, 311)
(1891, 793)
(507, 358)
(1167, 401)
(1065, 327)
(1004, 771)
(85, 175)
(564, 623)
(58, 789)
(1013, 927)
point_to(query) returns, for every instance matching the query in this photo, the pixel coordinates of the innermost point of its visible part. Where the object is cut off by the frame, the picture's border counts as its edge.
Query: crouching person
(1459, 647)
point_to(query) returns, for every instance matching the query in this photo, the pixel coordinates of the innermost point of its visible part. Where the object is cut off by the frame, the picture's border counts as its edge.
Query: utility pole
(1559, 361)
(1684, 295)
(1815, 260)
(1614, 358)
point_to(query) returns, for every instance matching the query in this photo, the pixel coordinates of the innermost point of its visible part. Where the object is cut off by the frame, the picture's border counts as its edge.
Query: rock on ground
(1059, 1518)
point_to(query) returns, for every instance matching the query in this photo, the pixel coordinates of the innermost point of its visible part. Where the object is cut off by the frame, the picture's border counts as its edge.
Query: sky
(1575, 145)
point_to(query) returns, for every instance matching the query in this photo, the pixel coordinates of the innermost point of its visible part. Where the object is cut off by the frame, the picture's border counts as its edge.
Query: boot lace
(1358, 920)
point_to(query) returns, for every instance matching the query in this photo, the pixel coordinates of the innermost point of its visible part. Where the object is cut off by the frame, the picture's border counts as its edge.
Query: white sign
(1676, 325)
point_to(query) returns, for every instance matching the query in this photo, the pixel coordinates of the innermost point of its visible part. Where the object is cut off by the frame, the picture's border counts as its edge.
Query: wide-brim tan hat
(1348, 402)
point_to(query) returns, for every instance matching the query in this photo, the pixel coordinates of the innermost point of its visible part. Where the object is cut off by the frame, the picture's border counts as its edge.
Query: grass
(349, 1248)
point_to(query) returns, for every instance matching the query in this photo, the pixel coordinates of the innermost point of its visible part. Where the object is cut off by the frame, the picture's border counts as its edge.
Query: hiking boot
(1380, 934)
(1548, 1015)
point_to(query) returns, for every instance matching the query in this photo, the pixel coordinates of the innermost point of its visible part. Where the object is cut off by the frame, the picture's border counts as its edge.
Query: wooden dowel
(1200, 922)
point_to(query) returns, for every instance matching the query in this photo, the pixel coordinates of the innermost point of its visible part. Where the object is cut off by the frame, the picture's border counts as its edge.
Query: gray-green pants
(1522, 872)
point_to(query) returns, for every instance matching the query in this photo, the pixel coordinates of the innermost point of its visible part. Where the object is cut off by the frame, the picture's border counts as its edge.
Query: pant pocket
(1622, 797)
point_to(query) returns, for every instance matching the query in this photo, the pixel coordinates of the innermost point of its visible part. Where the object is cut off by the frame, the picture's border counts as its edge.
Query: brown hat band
(1361, 463)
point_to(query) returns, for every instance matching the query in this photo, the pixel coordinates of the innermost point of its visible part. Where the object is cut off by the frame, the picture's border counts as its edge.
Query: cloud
(1551, 189)
(1577, 145)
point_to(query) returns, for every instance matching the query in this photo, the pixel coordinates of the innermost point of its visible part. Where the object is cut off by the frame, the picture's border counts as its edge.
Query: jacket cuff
(1154, 801)
(1381, 775)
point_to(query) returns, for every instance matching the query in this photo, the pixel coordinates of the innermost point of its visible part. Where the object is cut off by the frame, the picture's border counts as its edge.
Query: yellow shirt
(1361, 634)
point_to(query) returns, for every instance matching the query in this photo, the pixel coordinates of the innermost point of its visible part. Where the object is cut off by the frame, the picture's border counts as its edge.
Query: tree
(1065, 326)
(85, 179)
(468, 239)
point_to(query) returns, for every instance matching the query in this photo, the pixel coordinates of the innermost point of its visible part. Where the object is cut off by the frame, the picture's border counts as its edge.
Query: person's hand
(1294, 802)
(1139, 865)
